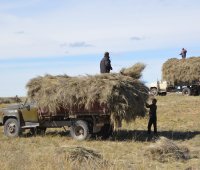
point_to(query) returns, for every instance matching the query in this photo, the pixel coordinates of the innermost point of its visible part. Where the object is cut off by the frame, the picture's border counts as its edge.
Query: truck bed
(96, 109)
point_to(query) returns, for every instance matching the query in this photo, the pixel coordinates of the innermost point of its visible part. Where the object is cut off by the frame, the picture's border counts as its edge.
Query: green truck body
(17, 117)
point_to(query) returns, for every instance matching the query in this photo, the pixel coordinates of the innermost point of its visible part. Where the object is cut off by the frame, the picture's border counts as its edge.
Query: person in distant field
(152, 116)
(183, 53)
(105, 64)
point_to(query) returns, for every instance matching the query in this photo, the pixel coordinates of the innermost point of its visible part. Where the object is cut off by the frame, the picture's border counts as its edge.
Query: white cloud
(109, 26)
(80, 44)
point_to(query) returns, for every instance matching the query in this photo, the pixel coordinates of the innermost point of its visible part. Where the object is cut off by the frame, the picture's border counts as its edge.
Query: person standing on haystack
(105, 64)
(152, 116)
(183, 53)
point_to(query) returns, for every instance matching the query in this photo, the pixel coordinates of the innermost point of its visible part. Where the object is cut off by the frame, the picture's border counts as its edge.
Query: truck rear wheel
(80, 130)
(186, 91)
(12, 128)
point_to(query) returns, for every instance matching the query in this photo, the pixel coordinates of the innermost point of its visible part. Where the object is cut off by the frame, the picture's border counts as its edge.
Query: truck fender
(14, 115)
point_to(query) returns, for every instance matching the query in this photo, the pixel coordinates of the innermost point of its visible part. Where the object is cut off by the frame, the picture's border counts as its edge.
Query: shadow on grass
(48, 133)
(129, 135)
(142, 136)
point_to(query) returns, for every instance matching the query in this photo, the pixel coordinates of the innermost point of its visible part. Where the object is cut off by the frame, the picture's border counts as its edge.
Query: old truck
(82, 124)
(158, 88)
(179, 75)
(163, 87)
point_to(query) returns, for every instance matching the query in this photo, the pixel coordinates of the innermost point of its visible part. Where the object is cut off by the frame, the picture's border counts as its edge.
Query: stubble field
(178, 120)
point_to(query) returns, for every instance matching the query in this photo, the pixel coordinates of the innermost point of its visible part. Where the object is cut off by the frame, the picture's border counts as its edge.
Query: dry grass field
(178, 120)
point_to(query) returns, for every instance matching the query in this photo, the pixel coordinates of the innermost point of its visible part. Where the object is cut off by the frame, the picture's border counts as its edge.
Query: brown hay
(121, 96)
(179, 72)
(135, 71)
(165, 150)
(80, 157)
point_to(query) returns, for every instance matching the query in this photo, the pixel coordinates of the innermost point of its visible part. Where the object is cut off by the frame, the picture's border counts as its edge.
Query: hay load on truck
(88, 105)
(179, 75)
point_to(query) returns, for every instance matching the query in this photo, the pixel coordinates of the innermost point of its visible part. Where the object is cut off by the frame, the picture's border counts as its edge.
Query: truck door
(30, 114)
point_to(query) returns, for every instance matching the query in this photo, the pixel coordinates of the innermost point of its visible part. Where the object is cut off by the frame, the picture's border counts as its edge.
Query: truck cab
(16, 117)
(158, 88)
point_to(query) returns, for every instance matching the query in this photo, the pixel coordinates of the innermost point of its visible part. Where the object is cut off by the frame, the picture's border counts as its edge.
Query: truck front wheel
(80, 130)
(11, 128)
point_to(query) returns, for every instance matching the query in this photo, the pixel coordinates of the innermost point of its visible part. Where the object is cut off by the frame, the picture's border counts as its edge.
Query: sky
(39, 37)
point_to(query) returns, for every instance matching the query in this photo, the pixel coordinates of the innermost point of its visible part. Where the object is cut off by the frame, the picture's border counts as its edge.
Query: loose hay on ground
(80, 157)
(165, 150)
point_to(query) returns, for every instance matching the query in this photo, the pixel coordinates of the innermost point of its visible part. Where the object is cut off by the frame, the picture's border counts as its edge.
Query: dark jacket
(152, 110)
(183, 53)
(105, 65)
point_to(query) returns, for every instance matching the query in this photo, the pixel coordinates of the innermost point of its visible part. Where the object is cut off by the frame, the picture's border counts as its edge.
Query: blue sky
(40, 37)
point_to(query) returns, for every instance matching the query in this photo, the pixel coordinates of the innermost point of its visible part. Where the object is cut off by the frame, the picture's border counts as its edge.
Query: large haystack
(180, 71)
(121, 96)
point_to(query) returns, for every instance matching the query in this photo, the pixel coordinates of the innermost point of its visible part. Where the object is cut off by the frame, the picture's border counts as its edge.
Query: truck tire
(12, 128)
(154, 91)
(80, 130)
(186, 91)
(106, 131)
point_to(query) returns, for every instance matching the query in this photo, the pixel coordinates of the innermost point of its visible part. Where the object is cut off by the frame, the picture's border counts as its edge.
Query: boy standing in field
(152, 116)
